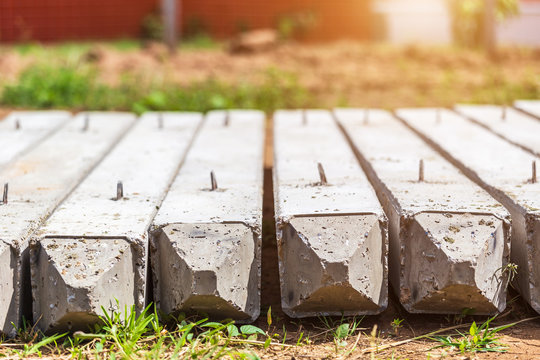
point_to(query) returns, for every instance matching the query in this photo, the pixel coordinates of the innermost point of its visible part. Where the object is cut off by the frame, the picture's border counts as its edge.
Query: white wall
(523, 29)
(416, 21)
(429, 22)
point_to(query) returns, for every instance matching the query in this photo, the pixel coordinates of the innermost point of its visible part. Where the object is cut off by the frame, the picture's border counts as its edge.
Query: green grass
(76, 87)
(479, 339)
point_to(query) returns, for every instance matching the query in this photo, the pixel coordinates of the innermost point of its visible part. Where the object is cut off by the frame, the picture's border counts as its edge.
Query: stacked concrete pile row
(96, 205)
(82, 194)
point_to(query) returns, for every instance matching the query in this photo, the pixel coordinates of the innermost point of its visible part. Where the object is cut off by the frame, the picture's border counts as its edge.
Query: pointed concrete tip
(451, 262)
(213, 269)
(72, 279)
(531, 276)
(333, 265)
(9, 301)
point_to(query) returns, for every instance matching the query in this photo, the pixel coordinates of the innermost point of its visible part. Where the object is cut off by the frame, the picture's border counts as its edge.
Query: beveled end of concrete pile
(529, 272)
(211, 269)
(333, 265)
(9, 299)
(451, 262)
(72, 279)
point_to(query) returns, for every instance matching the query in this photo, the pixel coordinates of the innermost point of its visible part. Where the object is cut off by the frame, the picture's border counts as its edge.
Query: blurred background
(143, 55)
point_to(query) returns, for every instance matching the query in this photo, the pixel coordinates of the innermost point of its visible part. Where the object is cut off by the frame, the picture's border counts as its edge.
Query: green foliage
(152, 27)
(44, 87)
(479, 339)
(341, 330)
(295, 24)
(76, 87)
(396, 325)
(468, 18)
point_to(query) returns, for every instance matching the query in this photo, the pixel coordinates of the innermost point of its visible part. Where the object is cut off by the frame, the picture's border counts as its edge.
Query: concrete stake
(5, 196)
(16, 139)
(227, 118)
(447, 245)
(503, 113)
(40, 180)
(332, 238)
(119, 191)
(500, 168)
(438, 115)
(304, 117)
(322, 175)
(206, 245)
(92, 251)
(421, 170)
(519, 128)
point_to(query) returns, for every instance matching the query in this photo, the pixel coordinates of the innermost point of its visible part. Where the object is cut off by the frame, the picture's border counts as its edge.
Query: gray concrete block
(21, 130)
(206, 244)
(94, 247)
(503, 170)
(332, 236)
(449, 239)
(514, 126)
(208, 268)
(39, 180)
(75, 278)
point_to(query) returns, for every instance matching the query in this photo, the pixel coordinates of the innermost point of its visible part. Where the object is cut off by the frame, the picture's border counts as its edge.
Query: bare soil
(337, 74)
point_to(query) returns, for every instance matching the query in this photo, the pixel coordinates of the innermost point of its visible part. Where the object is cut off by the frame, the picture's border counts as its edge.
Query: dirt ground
(344, 74)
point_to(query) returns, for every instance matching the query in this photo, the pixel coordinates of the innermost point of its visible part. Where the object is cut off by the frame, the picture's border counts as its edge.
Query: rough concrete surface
(206, 254)
(512, 125)
(531, 107)
(448, 237)
(39, 180)
(332, 237)
(21, 130)
(93, 250)
(502, 169)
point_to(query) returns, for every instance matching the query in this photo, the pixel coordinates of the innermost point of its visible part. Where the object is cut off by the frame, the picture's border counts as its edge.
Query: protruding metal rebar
(213, 181)
(421, 171)
(119, 191)
(322, 175)
(533, 178)
(86, 122)
(304, 117)
(366, 116)
(227, 120)
(503, 113)
(17, 124)
(5, 196)
(160, 120)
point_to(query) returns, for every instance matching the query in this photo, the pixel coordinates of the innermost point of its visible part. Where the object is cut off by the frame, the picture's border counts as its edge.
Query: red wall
(48, 20)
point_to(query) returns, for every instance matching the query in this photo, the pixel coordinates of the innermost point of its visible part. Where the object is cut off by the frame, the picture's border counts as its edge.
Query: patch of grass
(341, 330)
(479, 339)
(76, 87)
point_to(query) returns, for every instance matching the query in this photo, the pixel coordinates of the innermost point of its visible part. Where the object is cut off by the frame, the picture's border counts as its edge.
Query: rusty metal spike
(322, 175)
(5, 196)
(86, 124)
(421, 171)
(119, 190)
(213, 181)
